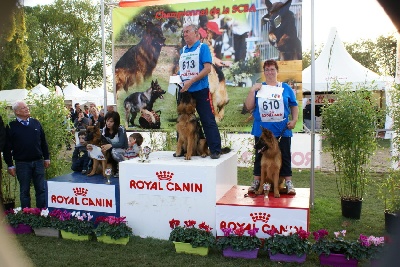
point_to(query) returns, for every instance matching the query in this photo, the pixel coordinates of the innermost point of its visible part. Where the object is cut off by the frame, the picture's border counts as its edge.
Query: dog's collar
(261, 150)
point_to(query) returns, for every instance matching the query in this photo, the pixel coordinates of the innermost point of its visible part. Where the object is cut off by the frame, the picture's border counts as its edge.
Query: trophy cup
(108, 175)
(144, 154)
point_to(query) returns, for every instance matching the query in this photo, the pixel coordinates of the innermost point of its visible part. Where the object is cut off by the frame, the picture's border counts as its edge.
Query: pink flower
(252, 232)
(227, 231)
(190, 223)
(239, 231)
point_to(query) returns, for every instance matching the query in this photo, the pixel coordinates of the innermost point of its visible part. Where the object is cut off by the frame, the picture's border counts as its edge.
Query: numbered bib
(189, 64)
(270, 103)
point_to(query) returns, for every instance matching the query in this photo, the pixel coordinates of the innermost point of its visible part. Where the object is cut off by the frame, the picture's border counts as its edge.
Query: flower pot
(391, 221)
(245, 254)
(287, 258)
(337, 260)
(21, 229)
(181, 247)
(47, 231)
(75, 237)
(108, 240)
(351, 208)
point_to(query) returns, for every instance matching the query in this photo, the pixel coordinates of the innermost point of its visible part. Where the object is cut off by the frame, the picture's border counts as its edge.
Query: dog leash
(280, 136)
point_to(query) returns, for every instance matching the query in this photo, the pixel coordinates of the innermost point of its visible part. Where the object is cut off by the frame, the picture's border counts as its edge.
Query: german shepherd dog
(94, 137)
(191, 141)
(282, 30)
(271, 161)
(142, 102)
(138, 63)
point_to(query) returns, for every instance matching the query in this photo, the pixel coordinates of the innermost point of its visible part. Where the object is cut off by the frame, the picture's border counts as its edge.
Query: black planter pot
(9, 205)
(351, 208)
(392, 221)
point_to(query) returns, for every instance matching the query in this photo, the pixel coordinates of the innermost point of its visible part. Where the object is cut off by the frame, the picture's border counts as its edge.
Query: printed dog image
(271, 161)
(138, 63)
(95, 138)
(142, 102)
(216, 80)
(282, 30)
(191, 141)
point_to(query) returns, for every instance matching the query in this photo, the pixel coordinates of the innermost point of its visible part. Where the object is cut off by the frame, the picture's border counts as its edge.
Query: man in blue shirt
(26, 145)
(194, 66)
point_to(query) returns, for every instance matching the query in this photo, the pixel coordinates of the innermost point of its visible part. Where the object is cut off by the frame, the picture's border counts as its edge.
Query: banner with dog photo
(241, 35)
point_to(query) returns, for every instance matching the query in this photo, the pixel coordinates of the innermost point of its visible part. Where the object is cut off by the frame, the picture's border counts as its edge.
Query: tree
(65, 43)
(14, 55)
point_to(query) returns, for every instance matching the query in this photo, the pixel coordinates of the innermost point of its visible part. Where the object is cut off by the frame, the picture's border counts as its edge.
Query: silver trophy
(144, 154)
(107, 172)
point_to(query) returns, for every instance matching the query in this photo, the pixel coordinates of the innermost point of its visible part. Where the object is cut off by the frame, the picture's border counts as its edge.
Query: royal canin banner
(82, 196)
(169, 182)
(263, 218)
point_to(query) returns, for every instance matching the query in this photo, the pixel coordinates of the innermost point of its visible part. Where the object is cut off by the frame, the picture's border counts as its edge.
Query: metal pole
(103, 44)
(312, 178)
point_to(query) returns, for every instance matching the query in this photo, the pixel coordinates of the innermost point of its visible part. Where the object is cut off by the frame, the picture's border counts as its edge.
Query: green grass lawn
(45, 251)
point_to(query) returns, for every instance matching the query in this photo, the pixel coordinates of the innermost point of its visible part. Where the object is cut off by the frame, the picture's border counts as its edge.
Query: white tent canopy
(76, 95)
(336, 64)
(99, 92)
(13, 95)
(40, 89)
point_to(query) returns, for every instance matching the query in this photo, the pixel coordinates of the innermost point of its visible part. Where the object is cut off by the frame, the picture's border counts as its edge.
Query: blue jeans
(28, 171)
(205, 109)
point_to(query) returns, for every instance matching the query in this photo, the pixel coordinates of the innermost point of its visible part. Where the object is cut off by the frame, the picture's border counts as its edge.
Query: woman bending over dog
(115, 134)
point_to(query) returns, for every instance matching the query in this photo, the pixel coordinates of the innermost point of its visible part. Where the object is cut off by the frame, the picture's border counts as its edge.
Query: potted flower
(235, 244)
(18, 221)
(337, 251)
(290, 246)
(189, 239)
(74, 225)
(42, 221)
(112, 230)
(349, 128)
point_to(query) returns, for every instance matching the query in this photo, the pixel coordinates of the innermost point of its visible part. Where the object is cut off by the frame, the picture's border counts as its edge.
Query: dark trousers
(204, 108)
(27, 172)
(239, 45)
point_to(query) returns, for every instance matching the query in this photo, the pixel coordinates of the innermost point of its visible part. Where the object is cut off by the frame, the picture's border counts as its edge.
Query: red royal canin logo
(164, 175)
(260, 216)
(80, 191)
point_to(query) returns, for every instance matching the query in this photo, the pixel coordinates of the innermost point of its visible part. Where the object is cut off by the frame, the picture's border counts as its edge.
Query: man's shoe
(254, 186)
(290, 188)
(215, 155)
(84, 171)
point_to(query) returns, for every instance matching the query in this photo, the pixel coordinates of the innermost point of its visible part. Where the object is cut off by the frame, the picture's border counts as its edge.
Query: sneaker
(254, 186)
(290, 188)
(84, 171)
(116, 175)
(215, 155)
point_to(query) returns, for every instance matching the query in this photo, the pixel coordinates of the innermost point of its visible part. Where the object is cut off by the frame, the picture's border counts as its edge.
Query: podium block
(288, 212)
(75, 191)
(153, 193)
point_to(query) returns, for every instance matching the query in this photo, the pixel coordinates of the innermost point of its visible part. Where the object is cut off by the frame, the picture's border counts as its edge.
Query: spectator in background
(81, 122)
(27, 146)
(307, 114)
(75, 114)
(96, 118)
(240, 33)
(80, 157)
(134, 143)
(86, 110)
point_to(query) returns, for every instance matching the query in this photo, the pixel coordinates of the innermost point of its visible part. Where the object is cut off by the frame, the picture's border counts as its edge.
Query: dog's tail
(225, 150)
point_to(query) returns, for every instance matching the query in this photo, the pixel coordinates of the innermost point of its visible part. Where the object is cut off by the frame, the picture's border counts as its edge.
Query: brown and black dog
(191, 141)
(188, 129)
(138, 63)
(271, 161)
(282, 30)
(95, 138)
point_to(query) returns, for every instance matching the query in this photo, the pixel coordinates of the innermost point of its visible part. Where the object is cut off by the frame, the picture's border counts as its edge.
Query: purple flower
(227, 231)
